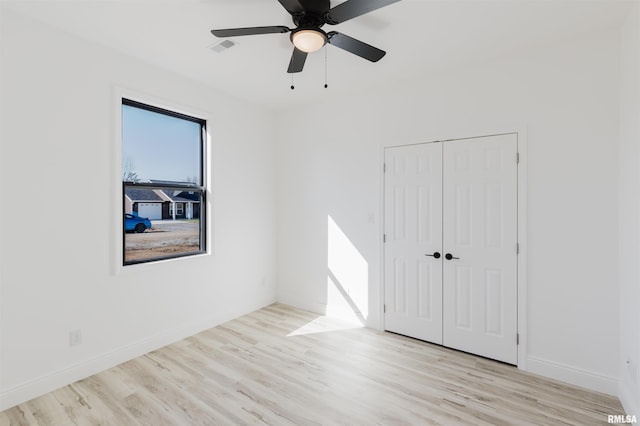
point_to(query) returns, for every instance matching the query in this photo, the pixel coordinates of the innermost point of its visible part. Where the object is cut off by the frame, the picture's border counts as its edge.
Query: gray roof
(183, 196)
(148, 195)
(190, 195)
(138, 194)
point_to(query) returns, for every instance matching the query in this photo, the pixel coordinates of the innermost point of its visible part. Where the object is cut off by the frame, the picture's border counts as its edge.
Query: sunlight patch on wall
(348, 275)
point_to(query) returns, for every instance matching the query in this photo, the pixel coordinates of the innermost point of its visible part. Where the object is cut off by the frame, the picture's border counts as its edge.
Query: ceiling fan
(309, 16)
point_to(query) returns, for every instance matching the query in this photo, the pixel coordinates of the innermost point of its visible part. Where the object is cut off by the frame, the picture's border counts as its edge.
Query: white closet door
(480, 230)
(413, 229)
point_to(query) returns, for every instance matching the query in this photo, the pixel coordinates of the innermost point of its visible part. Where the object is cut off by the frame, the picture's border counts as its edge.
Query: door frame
(521, 138)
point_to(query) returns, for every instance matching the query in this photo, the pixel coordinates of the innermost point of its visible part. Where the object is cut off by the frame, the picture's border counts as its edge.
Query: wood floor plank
(286, 366)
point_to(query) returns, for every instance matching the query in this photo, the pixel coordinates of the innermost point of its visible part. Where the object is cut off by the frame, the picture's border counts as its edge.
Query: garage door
(151, 210)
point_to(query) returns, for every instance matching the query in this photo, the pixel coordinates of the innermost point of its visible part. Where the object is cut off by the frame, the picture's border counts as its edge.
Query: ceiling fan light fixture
(309, 40)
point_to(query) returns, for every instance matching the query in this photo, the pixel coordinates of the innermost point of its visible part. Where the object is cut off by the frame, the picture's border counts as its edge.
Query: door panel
(493, 302)
(461, 306)
(413, 228)
(462, 215)
(425, 288)
(480, 228)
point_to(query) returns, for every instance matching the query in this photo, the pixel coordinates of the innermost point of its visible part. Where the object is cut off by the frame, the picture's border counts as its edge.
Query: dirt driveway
(166, 237)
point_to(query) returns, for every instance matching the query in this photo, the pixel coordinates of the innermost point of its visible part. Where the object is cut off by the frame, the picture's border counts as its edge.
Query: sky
(160, 147)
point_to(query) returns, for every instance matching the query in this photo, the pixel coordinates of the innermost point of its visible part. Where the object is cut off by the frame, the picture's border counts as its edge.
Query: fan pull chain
(325, 66)
(292, 86)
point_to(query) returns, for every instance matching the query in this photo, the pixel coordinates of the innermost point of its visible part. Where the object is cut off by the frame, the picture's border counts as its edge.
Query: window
(163, 188)
(179, 209)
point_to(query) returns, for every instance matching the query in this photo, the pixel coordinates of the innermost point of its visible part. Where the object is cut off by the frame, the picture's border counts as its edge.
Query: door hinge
(517, 158)
(384, 167)
(384, 238)
(385, 308)
(517, 248)
(517, 338)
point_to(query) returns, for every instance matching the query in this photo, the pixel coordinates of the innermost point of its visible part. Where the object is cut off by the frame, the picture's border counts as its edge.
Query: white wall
(58, 216)
(629, 216)
(566, 98)
(57, 125)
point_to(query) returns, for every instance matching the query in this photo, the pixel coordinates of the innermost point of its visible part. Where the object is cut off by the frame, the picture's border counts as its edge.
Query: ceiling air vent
(222, 46)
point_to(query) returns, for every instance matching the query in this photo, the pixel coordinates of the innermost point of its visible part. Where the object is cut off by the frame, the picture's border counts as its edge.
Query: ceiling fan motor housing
(310, 9)
(309, 19)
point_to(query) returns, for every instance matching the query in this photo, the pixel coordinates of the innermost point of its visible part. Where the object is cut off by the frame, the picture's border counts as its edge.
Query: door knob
(435, 254)
(449, 256)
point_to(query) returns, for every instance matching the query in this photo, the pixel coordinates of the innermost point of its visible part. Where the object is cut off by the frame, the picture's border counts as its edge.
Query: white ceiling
(419, 36)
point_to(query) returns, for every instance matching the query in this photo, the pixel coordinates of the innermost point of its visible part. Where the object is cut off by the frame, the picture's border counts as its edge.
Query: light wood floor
(284, 366)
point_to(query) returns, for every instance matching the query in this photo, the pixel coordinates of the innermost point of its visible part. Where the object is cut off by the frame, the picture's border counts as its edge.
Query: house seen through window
(162, 183)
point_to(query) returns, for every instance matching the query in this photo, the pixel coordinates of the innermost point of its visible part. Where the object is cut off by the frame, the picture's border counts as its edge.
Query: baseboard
(318, 308)
(629, 401)
(575, 376)
(324, 309)
(49, 382)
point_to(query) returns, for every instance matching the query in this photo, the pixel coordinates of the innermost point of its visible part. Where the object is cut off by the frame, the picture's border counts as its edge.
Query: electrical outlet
(75, 337)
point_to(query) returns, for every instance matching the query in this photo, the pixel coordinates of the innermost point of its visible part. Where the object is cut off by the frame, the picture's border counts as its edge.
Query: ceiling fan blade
(292, 6)
(235, 32)
(353, 8)
(298, 57)
(356, 47)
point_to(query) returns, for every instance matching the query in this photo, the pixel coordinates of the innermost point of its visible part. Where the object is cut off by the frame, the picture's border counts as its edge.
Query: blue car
(136, 223)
